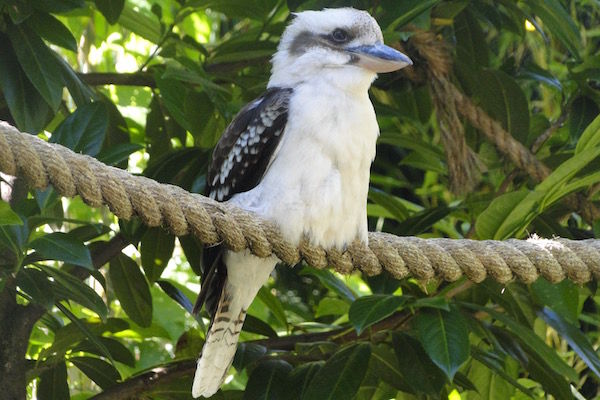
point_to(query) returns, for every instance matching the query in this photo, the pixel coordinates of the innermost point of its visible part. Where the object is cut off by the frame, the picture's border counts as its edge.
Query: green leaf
(367, 310)
(140, 21)
(119, 153)
(248, 353)
(58, 6)
(51, 29)
(331, 306)
(300, 378)
(62, 247)
(258, 326)
(85, 330)
(131, 289)
(173, 292)
(390, 203)
(590, 136)
(341, 375)
(68, 287)
(117, 350)
(577, 340)
(111, 9)
(444, 337)
(268, 381)
(84, 130)
(330, 281)
(156, 249)
(490, 385)
(417, 369)
(504, 100)
(53, 383)
(530, 341)
(558, 21)
(408, 10)
(8, 216)
(497, 366)
(102, 373)
(561, 297)
(273, 304)
(385, 365)
(35, 283)
(38, 62)
(27, 107)
(255, 9)
(494, 217)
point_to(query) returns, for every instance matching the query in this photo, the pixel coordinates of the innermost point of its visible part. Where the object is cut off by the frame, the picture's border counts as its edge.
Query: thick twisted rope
(41, 164)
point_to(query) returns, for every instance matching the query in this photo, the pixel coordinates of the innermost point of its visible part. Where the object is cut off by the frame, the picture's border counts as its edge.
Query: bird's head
(341, 43)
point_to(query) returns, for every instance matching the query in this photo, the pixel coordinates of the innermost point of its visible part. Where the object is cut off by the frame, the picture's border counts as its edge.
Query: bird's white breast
(318, 181)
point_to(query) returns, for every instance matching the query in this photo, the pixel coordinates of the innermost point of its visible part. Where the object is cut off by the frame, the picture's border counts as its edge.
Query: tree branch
(125, 79)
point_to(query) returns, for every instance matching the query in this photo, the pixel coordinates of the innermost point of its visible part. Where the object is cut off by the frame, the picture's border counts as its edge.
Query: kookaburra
(300, 156)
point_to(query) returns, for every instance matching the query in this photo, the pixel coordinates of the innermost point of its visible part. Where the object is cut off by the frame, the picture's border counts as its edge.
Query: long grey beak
(380, 58)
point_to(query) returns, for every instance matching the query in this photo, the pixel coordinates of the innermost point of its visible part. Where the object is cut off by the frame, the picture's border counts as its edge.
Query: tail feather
(220, 346)
(245, 276)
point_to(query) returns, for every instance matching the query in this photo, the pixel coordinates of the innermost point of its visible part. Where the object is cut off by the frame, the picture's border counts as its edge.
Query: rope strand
(42, 164)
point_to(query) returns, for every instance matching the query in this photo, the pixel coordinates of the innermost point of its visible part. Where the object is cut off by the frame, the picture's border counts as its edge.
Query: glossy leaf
(577, 340)
(131, 289)
(51, 29)
(329, 280)
(444, 337)
(111, 9)
(27, 107)
(173, 292)
(35, 283)
(341, 375)
(531, 342)
(367, 310)
(117, 350)
(66, 286)
(8, 216)
(102, 373)
(268, 381)
(156, 249)
(417, 369)
(299, 379)
(273, 304)
(84, 130)
(60, 246)
(38, 62)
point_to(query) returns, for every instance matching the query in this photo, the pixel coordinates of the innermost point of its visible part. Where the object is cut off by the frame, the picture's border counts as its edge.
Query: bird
(300, 156)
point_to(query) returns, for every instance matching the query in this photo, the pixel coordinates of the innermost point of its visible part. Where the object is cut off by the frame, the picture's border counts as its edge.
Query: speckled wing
(245, 149)
(239, 162)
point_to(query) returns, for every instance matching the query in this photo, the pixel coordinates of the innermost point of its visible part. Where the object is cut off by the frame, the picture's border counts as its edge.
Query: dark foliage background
(89, 304)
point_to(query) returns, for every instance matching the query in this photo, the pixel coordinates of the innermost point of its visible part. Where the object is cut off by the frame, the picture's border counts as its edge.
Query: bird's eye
(339, 35)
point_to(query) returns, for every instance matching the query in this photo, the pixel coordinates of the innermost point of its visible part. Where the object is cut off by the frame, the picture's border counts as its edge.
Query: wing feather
(239, 162)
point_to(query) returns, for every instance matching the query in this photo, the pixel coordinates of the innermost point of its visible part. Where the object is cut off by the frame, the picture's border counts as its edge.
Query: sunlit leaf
(8, 216)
